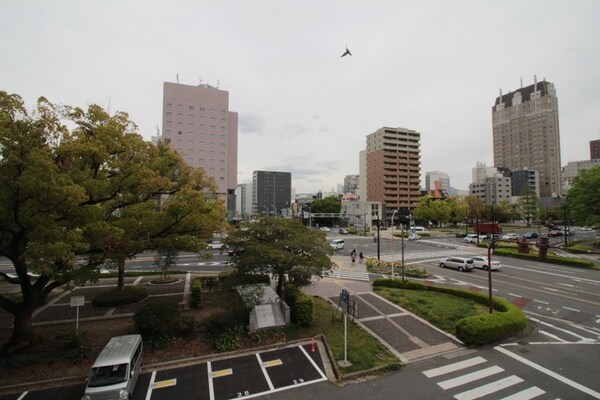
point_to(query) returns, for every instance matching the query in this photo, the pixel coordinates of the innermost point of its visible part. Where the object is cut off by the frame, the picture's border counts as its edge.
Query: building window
(179, 132)
(202, 109)
(168, 131)
(169, 105)
(168, 114)
(180, 106)
(179, 115)
(191, 108)
(168, 123)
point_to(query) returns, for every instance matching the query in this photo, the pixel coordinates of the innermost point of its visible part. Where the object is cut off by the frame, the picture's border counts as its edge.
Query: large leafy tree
(329, 204)
(530, 206)
(584, 197)
(72, 199)
(281, 247)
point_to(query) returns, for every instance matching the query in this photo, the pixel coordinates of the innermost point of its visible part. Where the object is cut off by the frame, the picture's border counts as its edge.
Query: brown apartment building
(393, 169)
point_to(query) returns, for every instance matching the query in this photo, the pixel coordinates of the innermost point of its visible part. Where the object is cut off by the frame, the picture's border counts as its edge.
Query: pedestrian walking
(360, 257)
(353, 257)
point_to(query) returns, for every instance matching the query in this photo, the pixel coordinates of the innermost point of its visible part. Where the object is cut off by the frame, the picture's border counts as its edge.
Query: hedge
(568, 261)
(476, 329)
(160, 321)
(301, 306)
(196, 293)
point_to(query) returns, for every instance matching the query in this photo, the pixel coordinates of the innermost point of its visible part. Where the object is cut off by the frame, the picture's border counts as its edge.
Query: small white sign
(77, 301)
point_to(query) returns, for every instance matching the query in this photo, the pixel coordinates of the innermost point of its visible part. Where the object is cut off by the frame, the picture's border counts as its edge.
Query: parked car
(459, 263)
(510, 236)
(216, 245)
(531, 235)
(482, 262)
(414, 236)
(554, 233)
(343, 231)
(460, 235)
(325, 229)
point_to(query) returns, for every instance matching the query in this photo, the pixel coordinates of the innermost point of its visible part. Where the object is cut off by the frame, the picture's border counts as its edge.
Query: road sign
(77, 301)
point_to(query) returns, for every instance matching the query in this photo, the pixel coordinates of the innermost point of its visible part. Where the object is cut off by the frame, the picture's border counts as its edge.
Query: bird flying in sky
(346, 53)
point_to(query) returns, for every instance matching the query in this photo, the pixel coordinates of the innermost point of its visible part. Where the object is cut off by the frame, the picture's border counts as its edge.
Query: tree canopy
(584, 197)
(71, 199)
(282, 247)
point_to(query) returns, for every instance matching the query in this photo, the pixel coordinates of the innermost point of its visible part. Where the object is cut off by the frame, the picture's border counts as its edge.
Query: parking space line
(211, 389)
(150, 385)
(263, 367)
(313, 363)
(21, 397)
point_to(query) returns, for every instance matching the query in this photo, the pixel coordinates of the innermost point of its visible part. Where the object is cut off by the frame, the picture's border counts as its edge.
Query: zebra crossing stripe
(526, 394)
(489, 388)
(454, 367)
(461, 380)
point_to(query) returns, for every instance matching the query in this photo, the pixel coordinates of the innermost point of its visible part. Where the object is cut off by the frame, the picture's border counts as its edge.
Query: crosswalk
(462, 376)
(349, 275)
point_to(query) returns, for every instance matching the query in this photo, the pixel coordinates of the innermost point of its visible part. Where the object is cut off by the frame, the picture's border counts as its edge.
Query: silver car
(459, 263)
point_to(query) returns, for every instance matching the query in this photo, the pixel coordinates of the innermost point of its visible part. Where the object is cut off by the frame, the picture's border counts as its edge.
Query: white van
(116, 370)
(418, 229)
(337, 244)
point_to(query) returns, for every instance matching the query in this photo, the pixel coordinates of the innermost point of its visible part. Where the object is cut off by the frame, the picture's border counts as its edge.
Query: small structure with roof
(268, 310)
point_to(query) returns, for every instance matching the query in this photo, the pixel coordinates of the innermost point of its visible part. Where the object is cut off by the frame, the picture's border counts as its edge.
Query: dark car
(461, 235)
(531, 235)
(343, 231)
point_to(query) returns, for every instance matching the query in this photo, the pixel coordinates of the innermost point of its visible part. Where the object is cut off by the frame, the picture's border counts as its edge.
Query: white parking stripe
(323, 376)
(526, 394)
(454, 367)
(264, 370)
(489, 388)
(211, 389)
(473, 376)
(21, 397)
(552, 374)
(150, 385)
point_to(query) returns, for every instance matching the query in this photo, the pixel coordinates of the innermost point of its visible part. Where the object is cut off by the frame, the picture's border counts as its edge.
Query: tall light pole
(392, 244)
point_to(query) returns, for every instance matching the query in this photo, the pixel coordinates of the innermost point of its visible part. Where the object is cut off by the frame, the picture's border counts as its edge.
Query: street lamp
(392, 244)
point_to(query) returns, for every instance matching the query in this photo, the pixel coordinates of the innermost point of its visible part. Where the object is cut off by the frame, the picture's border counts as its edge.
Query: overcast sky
(432, 66)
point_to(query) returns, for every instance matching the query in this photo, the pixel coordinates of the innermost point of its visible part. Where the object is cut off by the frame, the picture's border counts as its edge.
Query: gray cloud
(251, 124)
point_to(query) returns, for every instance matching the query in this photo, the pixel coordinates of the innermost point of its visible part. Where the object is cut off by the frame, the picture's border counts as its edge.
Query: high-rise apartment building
(199, 126)
(393, 169)
(350, 184)
(526, 134)
(594, 149)
(271, 192)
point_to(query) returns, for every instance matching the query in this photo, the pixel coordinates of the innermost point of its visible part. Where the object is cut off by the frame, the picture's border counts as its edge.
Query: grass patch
(364, 351)
(440, 309)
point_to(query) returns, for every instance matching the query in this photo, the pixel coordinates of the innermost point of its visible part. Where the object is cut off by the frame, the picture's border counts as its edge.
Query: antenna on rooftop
(177, 78)
(218, 81)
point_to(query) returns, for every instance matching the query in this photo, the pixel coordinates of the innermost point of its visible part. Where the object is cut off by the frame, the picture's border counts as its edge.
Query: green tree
(330, 204)
(71, 200)
(530, 206)
(458, 210)
(584, 197)
(423, 211)
(281, 247)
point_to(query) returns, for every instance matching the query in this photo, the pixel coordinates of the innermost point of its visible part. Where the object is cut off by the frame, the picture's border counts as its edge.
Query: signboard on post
(77, 301)
(350, 307)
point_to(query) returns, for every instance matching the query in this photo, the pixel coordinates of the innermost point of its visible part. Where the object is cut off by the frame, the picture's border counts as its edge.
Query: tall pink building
(198, 124)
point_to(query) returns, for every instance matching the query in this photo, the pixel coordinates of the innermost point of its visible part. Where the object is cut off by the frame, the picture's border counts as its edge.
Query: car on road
(459, 263)
(337, 244)
(555, 233)
(472, 238)
(460, 235)
(482, 262)
(343, 231)
(325, 229)
(531, 235)
(510, 236)
(414, 236)
(216, 245)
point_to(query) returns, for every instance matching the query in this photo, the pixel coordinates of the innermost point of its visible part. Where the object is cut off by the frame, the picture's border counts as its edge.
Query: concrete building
(198, 124)
(271, 192)
(393, 169)
(526, 134)
(524, 180)
(243, 200)
(432, 177)
(572, 169)
(350, 184)
(490, 185)
(594, 149)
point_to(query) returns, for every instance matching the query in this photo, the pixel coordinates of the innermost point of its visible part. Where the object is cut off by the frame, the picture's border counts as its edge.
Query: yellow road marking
(223, 372)
(163, 384)
(272, 363)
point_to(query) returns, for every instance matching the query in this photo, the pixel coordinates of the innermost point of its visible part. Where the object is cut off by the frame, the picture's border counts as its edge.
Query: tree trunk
(121, 275)
(23, 334)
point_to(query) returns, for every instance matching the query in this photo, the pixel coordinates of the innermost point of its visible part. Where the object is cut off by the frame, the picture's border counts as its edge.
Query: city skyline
(431, 66)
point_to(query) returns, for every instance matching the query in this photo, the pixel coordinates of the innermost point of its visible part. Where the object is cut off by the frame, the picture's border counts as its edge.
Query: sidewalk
(406, 335)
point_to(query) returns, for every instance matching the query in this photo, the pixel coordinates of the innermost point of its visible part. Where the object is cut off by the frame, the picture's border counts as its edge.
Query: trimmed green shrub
(554, 259)
(301, 306)
(231, 279)
(385, 267)
(113, 297)
(196, 293)
(477, 329)
(159, 322)
(225, 331)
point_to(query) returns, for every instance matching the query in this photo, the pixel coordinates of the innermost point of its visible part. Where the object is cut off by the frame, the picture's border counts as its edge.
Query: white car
(325, 229)
(510, 236)
(472, 238)
(216, 245)
(459, 263)
(482, 262)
